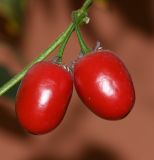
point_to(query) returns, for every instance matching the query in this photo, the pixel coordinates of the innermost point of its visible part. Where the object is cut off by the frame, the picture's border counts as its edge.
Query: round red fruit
(43, 97)
(104, 85)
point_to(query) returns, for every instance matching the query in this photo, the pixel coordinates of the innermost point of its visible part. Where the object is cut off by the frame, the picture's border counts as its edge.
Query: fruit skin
(104, 85)
(43, 97)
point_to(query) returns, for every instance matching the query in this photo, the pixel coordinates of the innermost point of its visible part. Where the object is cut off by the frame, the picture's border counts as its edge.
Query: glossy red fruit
(43, 97)
(104, 85)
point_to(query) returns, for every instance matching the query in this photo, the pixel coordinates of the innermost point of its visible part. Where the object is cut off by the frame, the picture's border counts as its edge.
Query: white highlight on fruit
(44, 97)
(106, 85)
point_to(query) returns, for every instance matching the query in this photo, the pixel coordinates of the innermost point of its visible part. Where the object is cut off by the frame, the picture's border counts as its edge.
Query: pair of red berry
(101, 81)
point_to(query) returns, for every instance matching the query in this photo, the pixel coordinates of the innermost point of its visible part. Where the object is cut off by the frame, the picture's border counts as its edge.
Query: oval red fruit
(43, 97)
(104, 85)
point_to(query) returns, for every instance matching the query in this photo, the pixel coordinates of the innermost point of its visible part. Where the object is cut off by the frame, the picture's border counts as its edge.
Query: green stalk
(62, 48)
(21, 74)
(47, 52)
(82, 43)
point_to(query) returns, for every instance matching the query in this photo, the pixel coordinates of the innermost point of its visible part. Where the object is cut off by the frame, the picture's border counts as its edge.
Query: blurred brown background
(124, 26)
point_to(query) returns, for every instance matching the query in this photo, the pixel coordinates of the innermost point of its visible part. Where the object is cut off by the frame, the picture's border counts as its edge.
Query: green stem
(86, 5)
(53, 46)
(20, 75)
(82, 43)
(61, 50)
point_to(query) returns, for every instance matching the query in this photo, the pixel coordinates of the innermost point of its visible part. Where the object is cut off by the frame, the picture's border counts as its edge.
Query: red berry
(43, 97)
(104, 85)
